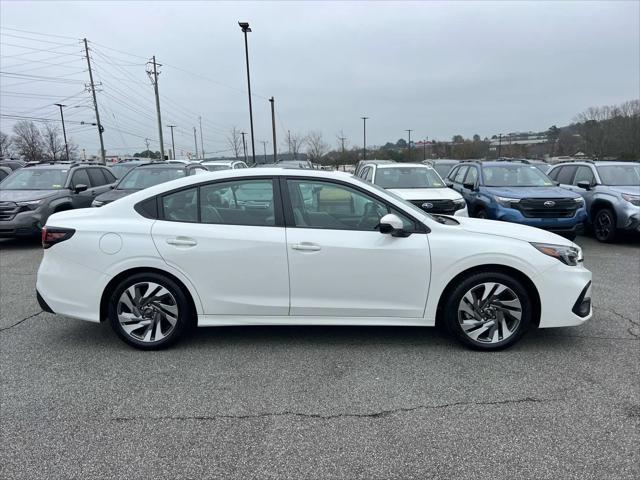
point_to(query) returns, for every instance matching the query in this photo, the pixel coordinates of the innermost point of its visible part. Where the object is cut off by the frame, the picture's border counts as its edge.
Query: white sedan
(303, 247)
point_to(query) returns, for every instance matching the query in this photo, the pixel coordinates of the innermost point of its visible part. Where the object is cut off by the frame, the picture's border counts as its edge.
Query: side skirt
(230, 320)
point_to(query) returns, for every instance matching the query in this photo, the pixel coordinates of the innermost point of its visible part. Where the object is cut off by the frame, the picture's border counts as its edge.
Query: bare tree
(28, 140)
(234, 139)
(316, 146)
(297, 142)
(53, 144)
(5, 145)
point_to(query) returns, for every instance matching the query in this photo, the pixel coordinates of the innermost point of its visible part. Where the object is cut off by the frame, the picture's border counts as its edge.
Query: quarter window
(337, 207)
(181, 206)
(246, 202)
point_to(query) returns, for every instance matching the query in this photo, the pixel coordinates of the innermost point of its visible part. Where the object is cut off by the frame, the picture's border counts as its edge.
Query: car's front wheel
(604, 225)
(488, 311)
(149, 311)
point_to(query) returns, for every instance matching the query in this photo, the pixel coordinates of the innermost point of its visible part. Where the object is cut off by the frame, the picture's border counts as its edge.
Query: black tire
(570, 236)
(481, 213)
(166, 303)
(452, 316)
(604, 225)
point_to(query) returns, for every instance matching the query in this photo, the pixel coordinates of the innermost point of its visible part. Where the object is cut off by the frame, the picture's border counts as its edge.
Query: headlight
(568, 255)
(579, 201)
(97, 203)
(32, 204)
(459, 203)
(507, 202)
(632, 199)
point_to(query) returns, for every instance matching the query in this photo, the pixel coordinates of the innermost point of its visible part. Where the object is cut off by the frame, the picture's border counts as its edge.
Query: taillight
(53, 235)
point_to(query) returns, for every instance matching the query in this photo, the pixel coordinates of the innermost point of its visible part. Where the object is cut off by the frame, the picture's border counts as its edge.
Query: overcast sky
(438, 68)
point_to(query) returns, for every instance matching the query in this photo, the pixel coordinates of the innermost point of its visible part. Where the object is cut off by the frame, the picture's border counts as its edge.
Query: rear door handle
(182, 242)
(307, 247)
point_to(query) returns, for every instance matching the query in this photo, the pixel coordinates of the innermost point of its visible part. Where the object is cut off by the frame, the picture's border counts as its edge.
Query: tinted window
(96, 177)
(553, 174)
(109, 177)
(515, 176)
(452, 173)
(565, 175)
(80, 177)
(583, 174)
(336, 207)
(212, 167)
(181, 206)
(35, 179)
(460, 174)
(244, 202)
(472, 175)
(121, 169)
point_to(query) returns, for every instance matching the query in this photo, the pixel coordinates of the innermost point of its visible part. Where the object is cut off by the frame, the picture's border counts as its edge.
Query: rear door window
(460, 174)
(181, 206)
(565, 176)
(584, 174)
(472, 176)
(96, 177)
(80, 177)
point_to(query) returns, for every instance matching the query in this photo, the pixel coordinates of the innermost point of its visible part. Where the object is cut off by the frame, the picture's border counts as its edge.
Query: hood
(511, 230)
(426, 193)
(628, 189)
(532, 192)
(26, 195)
(111, 195)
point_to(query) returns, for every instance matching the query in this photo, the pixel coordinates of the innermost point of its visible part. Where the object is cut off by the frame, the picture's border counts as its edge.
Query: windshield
(213, 167)
(35, 179)
(140, 178)
(515, 176)
(408, 205)
(620, 175)
(408, 177)
(121, 169)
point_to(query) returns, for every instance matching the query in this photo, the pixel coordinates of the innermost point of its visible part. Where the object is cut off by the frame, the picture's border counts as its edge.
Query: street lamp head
(244, 26)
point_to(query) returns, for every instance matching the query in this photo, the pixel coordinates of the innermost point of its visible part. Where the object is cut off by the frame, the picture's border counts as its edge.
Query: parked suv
(611, 191)
(442, 165)
(29, 195)
(145, 176)
(214, 165)
(520, 193)
(418, 184)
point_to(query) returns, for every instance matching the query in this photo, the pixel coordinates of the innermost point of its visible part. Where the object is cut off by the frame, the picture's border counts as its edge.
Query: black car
(120, 169)
(29, 195)
(145, 176)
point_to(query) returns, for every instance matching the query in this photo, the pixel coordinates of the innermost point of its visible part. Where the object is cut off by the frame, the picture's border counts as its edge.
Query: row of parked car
(560, 198)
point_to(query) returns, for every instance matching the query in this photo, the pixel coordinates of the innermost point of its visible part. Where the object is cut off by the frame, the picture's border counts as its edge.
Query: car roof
(219, 162)
(444, 160)
(159, 165)
(402, 165)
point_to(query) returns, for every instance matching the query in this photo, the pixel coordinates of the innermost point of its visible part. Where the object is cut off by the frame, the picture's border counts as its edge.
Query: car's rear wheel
(488, 311)
(149, 311)
(481, 213)
(604, 225)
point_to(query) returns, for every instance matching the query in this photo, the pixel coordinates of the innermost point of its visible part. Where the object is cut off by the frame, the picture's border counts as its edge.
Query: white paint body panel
(241, 275)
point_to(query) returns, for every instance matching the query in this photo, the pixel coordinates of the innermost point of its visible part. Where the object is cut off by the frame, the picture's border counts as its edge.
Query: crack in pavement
(633, 322)
(380, 414)
(20, 321)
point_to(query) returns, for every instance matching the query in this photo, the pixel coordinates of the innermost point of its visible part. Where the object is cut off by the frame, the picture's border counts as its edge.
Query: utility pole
(195, 140)
(264, 144)
(409, 142)
(245, 29)
(364, 141)
(273, 126)
(64, 131)
(84, 154)
(499, 145)
(95, 102)
(201, 140)
(154, 79)
(424, 148)
(146, 140)
(289, 135)
(342, 139)
(173, 143)
(244, 146)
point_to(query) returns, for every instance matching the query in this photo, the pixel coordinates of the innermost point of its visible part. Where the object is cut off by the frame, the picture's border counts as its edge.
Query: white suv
(303, 247)
(419, 184)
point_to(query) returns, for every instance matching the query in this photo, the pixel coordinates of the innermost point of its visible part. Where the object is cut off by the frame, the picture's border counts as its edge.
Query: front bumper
(24, 224)
(573, 224)
(563, 291)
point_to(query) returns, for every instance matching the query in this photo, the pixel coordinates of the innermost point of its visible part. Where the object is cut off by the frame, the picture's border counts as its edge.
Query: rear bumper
(43, 305)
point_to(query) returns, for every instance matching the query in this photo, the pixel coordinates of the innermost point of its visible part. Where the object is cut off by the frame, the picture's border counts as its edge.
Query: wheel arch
(599, 204)
(514, 272)
(110, 287)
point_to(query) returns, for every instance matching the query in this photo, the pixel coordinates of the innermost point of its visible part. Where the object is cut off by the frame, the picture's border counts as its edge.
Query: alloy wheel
(147, 312)
(489, 312)
(603, 225)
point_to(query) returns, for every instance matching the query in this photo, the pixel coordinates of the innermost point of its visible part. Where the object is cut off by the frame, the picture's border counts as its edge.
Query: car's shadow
(25, 243)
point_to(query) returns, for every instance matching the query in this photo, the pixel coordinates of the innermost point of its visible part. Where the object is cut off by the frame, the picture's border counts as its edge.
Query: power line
(32, 39)
(37, 33)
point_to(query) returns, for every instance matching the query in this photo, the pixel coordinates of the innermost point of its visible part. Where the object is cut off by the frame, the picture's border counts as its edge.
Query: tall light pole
(264, 144)
(273, 126)
(195, 140)
(244, 146)
(245, 29)
(424, 148)
(409, 142)
(201, 139)
(173, 143)
(64, 131)
(364, 141)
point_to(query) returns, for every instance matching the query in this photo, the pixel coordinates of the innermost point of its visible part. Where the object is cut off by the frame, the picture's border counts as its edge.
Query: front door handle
(307, 247)
(182, 242)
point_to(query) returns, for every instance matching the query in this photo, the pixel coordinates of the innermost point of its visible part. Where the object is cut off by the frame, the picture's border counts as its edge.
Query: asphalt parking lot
(334, 402)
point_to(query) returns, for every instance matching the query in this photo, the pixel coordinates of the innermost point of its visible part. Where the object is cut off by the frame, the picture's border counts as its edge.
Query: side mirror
(584, 184)
(391, 224)
(448, 183)
(80, 188)
(469, 185)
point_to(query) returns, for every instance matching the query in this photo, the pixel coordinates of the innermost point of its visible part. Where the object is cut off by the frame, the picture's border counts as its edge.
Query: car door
(340, 265)
(584, 174)
(81, 199)
(471, 177)
(228, 238)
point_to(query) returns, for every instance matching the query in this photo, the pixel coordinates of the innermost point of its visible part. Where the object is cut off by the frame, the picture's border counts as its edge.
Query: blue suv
(520, 193)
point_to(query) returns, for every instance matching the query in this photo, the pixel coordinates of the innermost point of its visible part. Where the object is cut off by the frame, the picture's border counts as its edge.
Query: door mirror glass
(390, 224)
(584, 184)
(448, 183)
(80, 188)
(469, 185)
